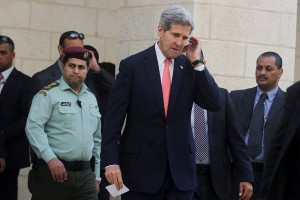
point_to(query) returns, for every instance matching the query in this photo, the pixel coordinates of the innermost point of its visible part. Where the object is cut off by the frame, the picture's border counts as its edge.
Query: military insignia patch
(52, 85)
(86, 54)
(43, 93)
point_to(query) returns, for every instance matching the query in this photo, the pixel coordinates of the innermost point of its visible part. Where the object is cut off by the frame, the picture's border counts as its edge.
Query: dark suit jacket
(99, 83)
(15, 100)
(280, 157)
(244, 101)
(150, 141)
(225, 134)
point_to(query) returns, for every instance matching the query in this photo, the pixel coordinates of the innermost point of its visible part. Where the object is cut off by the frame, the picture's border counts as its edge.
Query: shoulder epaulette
(50, 86)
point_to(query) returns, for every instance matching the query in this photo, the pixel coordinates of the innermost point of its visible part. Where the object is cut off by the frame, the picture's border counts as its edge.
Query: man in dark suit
(98, 80)
(15, 99)
(268, 73)
(281, 175)
(156, 151)
(225, 145)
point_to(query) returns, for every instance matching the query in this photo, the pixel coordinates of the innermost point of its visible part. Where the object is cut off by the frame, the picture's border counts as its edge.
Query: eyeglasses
(70, 35)
(6, 39)
(76, 35)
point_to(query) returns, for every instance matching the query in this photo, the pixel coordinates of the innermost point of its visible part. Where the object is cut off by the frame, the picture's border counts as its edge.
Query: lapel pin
(181, 67)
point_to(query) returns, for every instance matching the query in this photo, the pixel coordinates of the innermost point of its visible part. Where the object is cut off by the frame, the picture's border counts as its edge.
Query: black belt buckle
(257, 166)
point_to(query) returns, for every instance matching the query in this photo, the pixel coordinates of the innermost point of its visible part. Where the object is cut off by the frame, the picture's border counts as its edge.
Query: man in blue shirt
(268, 72)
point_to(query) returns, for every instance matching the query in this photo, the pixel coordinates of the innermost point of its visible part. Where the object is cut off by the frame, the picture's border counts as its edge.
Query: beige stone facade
(233, 33)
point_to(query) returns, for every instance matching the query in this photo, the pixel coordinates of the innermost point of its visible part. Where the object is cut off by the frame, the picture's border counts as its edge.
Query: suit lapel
(248, 102)
(152, 70)
(56, 72)
(277, 105)
(8, 84)
(210, 116)
(176, 82)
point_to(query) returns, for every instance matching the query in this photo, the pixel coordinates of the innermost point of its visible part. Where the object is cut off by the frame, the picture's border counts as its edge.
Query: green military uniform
(58, 127)
(65, 125)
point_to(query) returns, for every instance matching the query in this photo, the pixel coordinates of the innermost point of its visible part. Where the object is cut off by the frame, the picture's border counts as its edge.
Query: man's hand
(94, 66)
(2, 165)
(97, 186)
(57, 169)
(246, 191)
(114, 176)
(193, 50)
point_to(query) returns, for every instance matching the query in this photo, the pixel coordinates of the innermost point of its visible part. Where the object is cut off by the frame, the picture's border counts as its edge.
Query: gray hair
(176, 15)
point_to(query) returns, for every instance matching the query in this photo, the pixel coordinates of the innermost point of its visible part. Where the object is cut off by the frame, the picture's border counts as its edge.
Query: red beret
(77, 52)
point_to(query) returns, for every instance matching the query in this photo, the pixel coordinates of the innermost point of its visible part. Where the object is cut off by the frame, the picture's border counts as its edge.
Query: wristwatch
(98, 179)
(196, 62)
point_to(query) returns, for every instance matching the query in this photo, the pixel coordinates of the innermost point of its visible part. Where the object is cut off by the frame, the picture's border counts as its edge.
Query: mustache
(262, 76)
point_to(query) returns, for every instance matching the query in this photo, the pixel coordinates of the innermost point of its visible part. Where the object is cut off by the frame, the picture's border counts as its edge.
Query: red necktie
(166, 84)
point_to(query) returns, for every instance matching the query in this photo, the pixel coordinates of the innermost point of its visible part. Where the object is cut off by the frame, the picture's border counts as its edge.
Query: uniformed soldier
(63, 128)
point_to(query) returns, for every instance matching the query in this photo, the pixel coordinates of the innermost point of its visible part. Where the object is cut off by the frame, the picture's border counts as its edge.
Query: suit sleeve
(14, 130)
(114, 119)
(103, 82)
(207, 91)
(2, 151)
(237, 146)
(276, 143)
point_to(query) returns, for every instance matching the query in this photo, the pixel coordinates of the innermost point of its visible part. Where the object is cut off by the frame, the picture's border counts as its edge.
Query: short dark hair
(70, 35)
(277, 57)
(6, 40)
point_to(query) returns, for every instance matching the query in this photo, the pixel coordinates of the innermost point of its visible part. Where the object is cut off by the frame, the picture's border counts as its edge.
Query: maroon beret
(77, 52)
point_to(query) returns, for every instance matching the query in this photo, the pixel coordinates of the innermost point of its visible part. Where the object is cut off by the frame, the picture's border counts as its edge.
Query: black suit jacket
(280, 157)
(151, 142)
(15, 100)
(99, 83)
(244, 101)
(226, 144)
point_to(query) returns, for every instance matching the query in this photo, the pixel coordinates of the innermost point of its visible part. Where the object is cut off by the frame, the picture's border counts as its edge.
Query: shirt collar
(64, 85)
(271, 94)
(59, 64)
(160, 56)
(7, 72)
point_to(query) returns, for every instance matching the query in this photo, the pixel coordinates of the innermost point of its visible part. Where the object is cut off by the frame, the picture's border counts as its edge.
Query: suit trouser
(80, 185)
(168, 191)
(256, 186)
(9, 184)
(205, 189)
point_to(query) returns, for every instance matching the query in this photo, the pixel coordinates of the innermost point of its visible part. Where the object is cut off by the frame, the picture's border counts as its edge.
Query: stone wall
(36, 25)
(233, 34)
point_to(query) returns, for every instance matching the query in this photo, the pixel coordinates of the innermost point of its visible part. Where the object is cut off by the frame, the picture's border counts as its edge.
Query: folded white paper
(112, 189)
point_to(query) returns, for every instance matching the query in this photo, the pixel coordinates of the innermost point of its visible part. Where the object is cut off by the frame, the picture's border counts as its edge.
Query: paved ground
(24, 193)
